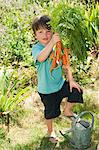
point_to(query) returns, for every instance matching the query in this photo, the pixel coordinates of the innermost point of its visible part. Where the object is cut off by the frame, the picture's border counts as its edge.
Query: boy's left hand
(75, 85)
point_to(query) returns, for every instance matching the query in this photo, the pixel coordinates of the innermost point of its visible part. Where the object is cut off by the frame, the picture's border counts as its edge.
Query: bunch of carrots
(59, 55)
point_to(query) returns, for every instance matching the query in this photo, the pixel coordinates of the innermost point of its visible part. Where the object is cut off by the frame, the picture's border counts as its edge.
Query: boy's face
(43, 35)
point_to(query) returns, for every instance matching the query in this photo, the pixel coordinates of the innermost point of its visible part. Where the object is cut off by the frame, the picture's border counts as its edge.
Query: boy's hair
(41, 22)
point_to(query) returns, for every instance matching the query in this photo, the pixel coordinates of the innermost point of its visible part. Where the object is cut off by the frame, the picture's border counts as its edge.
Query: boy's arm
(69, 74)
(45, 52)
(72, 83)
(48, 48)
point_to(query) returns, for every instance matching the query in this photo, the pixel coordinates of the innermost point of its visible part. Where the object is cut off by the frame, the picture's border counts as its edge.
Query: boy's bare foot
(72, 118)
(68, 113)
(53, 139)
(82, 122)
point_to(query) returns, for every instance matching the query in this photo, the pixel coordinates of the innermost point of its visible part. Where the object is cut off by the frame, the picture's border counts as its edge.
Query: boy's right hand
(55, 38)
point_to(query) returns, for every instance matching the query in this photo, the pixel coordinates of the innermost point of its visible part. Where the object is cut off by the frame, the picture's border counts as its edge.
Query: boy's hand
(55, 38)
(75, 85)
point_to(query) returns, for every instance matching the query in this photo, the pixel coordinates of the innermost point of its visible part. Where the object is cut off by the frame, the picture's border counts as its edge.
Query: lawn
(30, 131)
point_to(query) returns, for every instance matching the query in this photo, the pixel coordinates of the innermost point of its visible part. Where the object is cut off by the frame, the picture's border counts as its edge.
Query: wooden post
(8, 121)
(7, 114)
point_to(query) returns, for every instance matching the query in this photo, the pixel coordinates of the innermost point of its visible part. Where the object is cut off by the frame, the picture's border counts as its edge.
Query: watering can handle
(83, 113)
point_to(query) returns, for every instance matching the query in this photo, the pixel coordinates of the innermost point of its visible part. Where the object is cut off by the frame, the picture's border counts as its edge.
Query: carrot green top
(47, 82)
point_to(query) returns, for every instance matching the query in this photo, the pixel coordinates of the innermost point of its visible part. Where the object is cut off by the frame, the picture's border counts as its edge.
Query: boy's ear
(35, 37)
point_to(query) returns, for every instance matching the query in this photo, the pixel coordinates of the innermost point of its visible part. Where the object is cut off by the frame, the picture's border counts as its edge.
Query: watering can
(80, 134)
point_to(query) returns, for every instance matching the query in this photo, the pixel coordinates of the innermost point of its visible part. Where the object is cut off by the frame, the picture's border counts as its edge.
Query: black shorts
(52, 101)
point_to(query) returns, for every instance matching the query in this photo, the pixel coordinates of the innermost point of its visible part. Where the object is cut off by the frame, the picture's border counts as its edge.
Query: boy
(52, 90)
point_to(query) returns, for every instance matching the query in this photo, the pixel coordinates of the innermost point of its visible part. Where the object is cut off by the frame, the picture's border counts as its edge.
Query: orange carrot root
(59, 45)
(66, 55)
(53, 64)
(52, 56)
(59, 56)
(64, 61)
(65, 50)
(58, 51)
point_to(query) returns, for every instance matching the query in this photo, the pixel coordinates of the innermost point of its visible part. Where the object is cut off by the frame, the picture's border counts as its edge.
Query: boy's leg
(51, 132)
(68, 109)
(49, 123)
(52, 110)
(74, 97)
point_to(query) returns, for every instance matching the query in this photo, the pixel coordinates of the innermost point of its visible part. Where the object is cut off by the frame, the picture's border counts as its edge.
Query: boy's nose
(45, 34)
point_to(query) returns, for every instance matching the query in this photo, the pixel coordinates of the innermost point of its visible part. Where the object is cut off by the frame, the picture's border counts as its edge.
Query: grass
(29, 133)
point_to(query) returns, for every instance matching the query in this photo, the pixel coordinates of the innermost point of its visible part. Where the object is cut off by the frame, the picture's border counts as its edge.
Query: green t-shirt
(47, 82)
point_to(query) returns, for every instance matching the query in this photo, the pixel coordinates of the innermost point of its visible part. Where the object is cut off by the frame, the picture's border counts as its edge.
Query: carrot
(52, 55)
(58, 51)
(59, 45)
(53, 64)
(64, 61)
(65, 50)
(60, 55)
(66, 56)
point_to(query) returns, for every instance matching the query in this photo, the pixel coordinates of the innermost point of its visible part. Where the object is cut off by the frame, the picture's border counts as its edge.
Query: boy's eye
(48, 31)
(40, 31)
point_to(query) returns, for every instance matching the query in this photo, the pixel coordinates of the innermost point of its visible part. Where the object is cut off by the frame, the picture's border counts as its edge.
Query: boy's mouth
(45, 39)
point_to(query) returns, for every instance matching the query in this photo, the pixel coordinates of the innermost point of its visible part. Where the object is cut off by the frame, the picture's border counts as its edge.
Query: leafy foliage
(68, 20)
(42, 2)
(9, 97)
(2, 135)
(92, 16)
(16, 34)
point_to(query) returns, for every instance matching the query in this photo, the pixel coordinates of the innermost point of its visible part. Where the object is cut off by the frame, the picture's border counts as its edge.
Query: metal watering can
(81, 132)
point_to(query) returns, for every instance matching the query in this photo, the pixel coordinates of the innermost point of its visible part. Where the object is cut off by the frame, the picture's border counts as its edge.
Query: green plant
(92, 22)
(27, 76)
(9, 98)
(2, 135)
(68, 20)
(15, 31)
